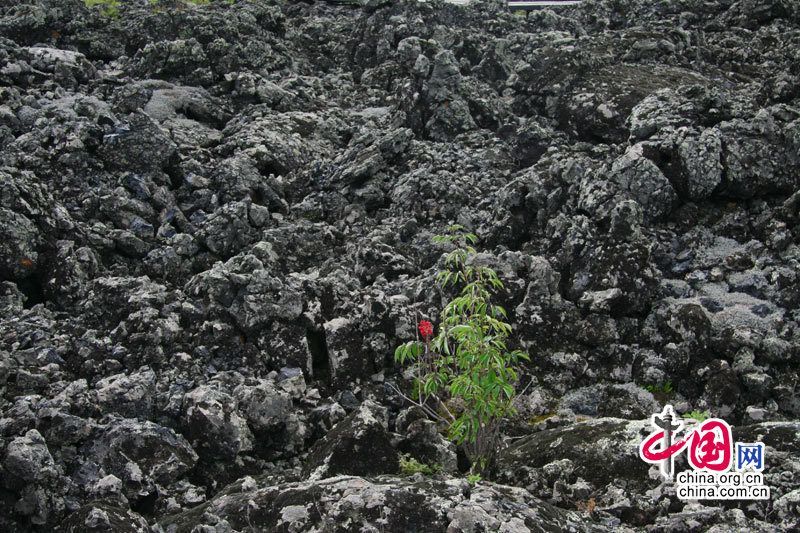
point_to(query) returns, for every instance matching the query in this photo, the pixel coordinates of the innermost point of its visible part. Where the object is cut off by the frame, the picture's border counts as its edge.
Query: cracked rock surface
(215, 228)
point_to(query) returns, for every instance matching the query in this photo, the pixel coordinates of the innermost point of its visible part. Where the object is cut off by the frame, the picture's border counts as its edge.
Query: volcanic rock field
(216, 226)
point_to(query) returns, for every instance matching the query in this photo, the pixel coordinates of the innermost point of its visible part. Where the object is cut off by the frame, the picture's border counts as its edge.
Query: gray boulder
(19, 242)
(143, 455)
(358, 445)
(389, 503)
(102, 516)
(422, 441)
(214, 424)
(138, 144)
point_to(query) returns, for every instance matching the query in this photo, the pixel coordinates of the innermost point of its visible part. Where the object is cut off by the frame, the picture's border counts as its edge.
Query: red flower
(425, 329)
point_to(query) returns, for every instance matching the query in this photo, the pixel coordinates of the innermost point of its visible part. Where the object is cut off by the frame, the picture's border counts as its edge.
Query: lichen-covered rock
(216, 223)
(781, 444)
(714, 519)
(698, 167)
(143, 455)
(101, 516)
(422, 441)
(644, 182)
(757, 154)
(343, 340)
(139, 144)
(622, 401)
(264, 406)
(19, 248)
(67, 67)
(244, 288)
(214, 424)
(33, 478)
(597, 105)
(27, 460)
(358, 445)
(129, 396)
(367, 155)
(787, 507)
(449, 114)
(600, 450)
(392, 503)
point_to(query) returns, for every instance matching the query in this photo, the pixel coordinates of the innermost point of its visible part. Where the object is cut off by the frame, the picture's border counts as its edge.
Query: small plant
(661, 388)
(410, 466)
(472, 479)
(700, 416)
(109, 8)
(193, 2)
(465, 375)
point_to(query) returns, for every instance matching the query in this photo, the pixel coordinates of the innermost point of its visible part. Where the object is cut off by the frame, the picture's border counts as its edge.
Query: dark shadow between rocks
(320, 362)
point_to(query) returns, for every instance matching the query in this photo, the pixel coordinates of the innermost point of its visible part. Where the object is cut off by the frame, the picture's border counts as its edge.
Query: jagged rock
(238, 178)
(450, 113)
(782, 443)
(756, 155)
(699, 167)
(20, 241)
(39, 63)
(184, 58)
(269, 414)
(358, 445)
(787, 507)
(11, 299)
(624, 266)
(101, 516)
(129, 396)
(367, 155)
(30, 471)
(623, 401)
(712, 518)
(637, 177)
(326, 416)
(143, 455)
(345, 353)
(599, 103)
(216, 221)
(244, 287)
(69, 275)
(27, 460)
(389, 502)
(273, 141)
(138, 143)
(601, 450)
(422, 441)
(214, 424)
(230, 229)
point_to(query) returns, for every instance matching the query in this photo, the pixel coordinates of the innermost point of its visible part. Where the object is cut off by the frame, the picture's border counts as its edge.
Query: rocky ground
(216, 222)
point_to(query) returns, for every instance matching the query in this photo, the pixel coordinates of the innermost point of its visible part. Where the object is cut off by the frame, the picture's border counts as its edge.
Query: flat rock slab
(386, 503)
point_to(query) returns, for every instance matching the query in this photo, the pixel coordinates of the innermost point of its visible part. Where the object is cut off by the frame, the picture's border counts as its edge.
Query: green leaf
(401, 353)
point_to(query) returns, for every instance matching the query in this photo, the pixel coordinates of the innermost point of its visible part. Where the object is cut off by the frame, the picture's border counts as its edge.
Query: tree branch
(427, 410)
